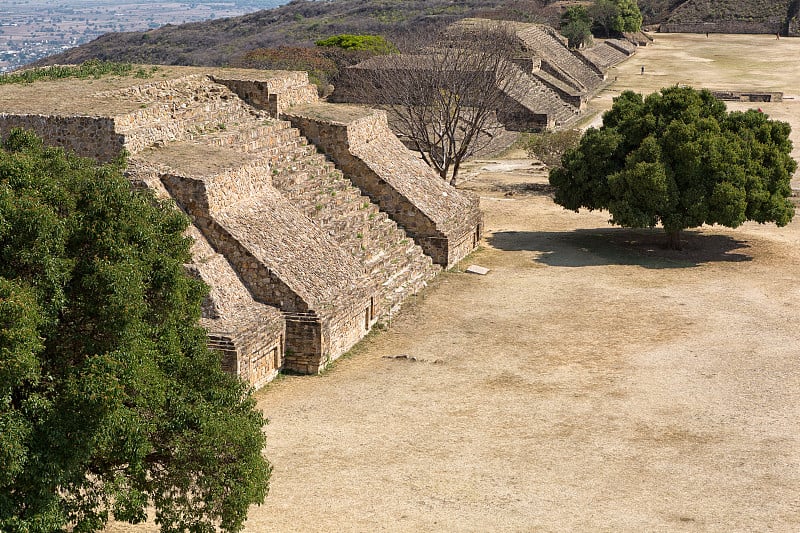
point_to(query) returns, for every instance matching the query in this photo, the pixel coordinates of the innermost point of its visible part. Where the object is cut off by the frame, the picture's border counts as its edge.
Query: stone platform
(311, 221)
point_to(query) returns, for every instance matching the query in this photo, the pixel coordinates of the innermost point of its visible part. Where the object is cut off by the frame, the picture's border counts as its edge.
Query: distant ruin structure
(779, 17)
(310, 221)
(556, 84)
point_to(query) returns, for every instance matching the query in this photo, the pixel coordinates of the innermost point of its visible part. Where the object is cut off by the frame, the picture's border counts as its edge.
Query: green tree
(611, 17)
(678, 158)
(369, 43)
(603, 14)
(576, 26)
(110, 400)
(629, 17)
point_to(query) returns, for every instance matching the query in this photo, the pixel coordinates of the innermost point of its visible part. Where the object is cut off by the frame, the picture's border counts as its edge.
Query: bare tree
(444, 98)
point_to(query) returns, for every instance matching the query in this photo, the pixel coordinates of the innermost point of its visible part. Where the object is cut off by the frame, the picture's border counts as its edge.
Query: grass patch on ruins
(89, 69)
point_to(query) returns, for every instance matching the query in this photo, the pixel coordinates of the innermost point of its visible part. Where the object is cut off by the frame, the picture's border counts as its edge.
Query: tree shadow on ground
(621, 246)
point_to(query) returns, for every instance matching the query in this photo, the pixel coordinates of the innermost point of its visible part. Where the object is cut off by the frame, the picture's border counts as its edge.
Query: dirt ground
(592, 381)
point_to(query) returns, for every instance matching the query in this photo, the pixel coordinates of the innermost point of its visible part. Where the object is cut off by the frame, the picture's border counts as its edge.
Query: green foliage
(576, 26)
(615, 16)
(603, 14)
(549, 146)
(628, 18)
(368, 43)
(88, 69)
(678, 158)
(109, 397)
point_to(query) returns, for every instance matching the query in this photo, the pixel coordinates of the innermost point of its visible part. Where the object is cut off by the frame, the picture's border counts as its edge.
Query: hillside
(225, 41)
(734, 16)
(300, 22)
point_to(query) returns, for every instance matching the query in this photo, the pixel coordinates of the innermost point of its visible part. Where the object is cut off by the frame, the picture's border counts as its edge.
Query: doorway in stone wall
(369, 312)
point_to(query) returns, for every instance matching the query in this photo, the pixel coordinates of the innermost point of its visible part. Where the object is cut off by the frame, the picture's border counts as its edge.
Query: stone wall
(346, 330)
(274, 94)
(749, 96)
(304, 344)
(297, 273)
(537, 103)
(177, 110)
(86, 136)
(363, 146)
(253, 351)
(731, 16)
(517, 117)
(723, 26)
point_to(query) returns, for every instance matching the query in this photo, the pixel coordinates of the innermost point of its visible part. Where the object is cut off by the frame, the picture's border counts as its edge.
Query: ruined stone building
(310, 221)
(556, 85)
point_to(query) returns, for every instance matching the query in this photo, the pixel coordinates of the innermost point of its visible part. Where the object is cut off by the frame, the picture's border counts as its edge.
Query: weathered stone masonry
(304, 246)
(555, 82)
(366, 150)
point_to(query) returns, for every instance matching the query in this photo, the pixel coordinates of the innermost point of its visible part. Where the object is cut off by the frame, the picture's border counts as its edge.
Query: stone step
(311, 183)
(180, 126)
(248, 136)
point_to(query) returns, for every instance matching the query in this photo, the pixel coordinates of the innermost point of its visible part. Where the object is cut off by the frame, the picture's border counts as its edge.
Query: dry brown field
(592, 381)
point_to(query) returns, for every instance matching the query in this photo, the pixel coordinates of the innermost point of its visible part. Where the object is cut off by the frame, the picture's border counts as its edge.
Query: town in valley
(30, 30)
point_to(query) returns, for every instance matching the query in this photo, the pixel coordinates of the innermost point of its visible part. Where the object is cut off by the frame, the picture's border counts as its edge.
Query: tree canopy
(628, 18)
(110, 400)
(576, 26)
(615, 16)
(679, 158)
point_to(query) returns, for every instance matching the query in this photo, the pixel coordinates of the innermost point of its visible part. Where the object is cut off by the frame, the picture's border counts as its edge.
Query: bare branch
(443, 97)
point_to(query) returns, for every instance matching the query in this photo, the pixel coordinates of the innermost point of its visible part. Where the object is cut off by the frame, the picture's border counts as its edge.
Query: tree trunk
(455, 173)
(674, 239)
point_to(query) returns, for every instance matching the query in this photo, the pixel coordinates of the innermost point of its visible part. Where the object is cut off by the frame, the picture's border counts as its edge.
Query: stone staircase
(396, 266)
(557, 59)
(540, 97)
(195, 108)
(216, 118)
(608, 53)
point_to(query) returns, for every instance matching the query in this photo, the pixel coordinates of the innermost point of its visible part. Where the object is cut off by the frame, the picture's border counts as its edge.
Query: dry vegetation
(299, 23)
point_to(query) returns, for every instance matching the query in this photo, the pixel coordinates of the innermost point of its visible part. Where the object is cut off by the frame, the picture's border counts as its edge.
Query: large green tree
(610, 17)
(629, 17)
(678, 158)
(576, 26)
(110, 400)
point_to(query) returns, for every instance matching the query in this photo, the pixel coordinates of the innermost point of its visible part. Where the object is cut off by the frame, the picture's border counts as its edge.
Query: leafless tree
(443, 99)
